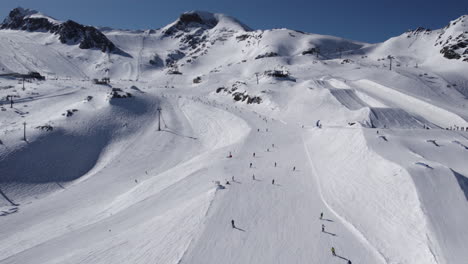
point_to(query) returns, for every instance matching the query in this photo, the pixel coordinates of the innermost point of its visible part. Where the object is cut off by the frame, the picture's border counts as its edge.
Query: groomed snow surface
(380, 153)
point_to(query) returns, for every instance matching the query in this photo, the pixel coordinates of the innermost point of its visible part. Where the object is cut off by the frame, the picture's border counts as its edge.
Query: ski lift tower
(159, 118)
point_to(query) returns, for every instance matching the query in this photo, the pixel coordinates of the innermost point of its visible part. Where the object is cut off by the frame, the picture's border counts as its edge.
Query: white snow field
(299, 124)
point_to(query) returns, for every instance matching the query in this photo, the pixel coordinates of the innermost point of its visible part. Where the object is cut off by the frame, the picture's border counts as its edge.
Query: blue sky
(364, 20)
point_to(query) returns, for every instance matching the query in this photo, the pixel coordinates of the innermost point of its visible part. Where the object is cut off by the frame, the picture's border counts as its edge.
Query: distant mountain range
(192, 36)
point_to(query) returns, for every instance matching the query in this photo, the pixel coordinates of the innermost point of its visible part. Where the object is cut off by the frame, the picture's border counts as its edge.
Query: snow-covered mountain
(68, 32)
(207, 141)
(420, 46)
(135, 53)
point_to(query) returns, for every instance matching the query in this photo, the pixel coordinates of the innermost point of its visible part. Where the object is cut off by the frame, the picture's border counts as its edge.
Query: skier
(253, 155)
(294, 168)
(321, 215)
(332, 250)
(349, 262)
(230, 154)
(273, 145)
(268, 150)
(250, 164)
(232, 224)
(258, 129)
(253, 177)
(323, 228)
(275, 164)
(273, 181)
(227, 183)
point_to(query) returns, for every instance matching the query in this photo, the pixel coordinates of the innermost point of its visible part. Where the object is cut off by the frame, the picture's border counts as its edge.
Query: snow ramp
(348, 98)
(378, 117)
(381, 117)
(413, 105)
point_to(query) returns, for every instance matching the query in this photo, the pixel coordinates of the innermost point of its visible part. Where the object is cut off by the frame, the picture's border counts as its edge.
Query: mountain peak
(198, 17)
(19, 14)
(204, 20)
(460, 23)
(68, 32)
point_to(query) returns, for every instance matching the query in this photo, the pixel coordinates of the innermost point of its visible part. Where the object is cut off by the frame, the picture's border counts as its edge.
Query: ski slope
(113, 181)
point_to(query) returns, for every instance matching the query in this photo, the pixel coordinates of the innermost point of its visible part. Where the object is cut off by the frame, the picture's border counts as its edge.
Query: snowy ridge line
(195, 239)
(105, 158)
(350, 226)
(430, 248)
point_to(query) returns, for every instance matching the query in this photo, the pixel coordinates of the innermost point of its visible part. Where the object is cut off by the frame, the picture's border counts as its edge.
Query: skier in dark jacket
(232, 224)
(333, 251)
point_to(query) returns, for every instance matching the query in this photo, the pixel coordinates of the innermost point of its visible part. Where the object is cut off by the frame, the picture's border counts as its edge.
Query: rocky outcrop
(454, 40)
(173, 57)
(267, 55)
(190, 20)
(238, 95)
(418, 31)
(69, 32)
(310, 51)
